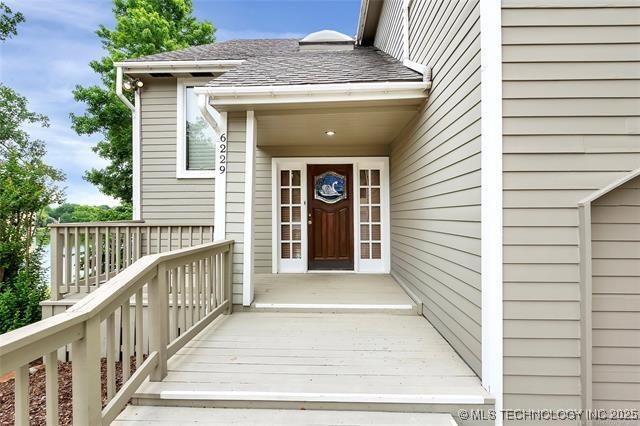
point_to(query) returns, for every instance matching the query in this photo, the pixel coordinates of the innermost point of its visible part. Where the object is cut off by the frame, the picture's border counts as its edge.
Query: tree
(27, 186)
(143, 27)
(9, 21)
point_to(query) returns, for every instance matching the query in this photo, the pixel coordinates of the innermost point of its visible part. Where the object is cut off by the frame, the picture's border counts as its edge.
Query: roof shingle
(281, 62)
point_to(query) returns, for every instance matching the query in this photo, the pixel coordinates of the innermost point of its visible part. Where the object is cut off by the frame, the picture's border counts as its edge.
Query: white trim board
(136, 159)
(249, 214)
(326, 397)
(382, 265)
(491, 199)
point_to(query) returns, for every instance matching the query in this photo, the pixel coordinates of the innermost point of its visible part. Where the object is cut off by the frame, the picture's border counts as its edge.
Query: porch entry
(330, 214)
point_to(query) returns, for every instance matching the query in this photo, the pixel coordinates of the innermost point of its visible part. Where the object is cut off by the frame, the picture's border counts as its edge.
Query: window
(290, 214)
(370, 215)
(196, 140)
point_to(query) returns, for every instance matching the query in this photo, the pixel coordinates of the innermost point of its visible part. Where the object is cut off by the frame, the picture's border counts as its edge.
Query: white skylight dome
(327, 40)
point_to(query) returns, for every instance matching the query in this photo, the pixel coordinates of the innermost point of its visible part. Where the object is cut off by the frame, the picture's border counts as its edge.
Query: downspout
(135, 116)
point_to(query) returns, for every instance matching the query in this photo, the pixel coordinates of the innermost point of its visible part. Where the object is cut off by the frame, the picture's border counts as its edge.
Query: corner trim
(249, 185)
(491, 196)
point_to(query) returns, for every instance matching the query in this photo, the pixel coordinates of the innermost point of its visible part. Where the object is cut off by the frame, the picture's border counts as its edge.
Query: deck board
(138, 416)
(340, 356)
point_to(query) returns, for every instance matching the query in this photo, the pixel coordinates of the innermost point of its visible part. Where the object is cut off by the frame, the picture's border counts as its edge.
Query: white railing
(186, 290)
(85, 255)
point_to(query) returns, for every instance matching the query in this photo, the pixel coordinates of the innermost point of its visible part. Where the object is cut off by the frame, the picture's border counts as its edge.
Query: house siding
(389, 33)
(165, 199)
(435, 174)
(615, 251)
(571, 93)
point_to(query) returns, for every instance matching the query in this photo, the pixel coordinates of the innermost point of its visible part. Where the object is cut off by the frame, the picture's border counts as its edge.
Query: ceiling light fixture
(330, 133)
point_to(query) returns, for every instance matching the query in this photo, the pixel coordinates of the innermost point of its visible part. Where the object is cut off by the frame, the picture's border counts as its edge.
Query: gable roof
(360, 65)
(281, 62)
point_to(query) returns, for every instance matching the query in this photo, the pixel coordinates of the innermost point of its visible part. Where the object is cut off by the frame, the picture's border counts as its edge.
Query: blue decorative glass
(330, 187)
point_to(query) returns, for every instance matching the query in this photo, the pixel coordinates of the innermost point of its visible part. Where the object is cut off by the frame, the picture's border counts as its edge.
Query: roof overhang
(146, 67)
(265, 97)
(368, 21)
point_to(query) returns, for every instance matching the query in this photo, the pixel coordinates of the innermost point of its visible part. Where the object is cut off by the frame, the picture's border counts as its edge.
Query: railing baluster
(111, 356)
(87, 259)
(107, 254)
(56, 263)
(169, 231)
(201, 236)
(159, 239)
(98, 244)
(228, 292)
(118, 249)
(67, 259)
(130, 257)
(51, 387)
(192, 290)
(218, 285)
(148, 241)
(76, 258)
(198, 278)
(174, 302)
(183, 298)
(180, 237)
(125, 320)
(21, 391)
(139, 332)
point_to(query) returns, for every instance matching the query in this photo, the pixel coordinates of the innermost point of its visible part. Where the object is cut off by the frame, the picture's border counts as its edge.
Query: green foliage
(21, 296)
(143, 27)
(9, 21)
(67, 213)
(27, 184)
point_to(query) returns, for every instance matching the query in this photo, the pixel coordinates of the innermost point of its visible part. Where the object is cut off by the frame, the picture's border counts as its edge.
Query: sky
(51, 53)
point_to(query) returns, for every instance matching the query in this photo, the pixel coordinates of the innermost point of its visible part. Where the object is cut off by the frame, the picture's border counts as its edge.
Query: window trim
(181, 139)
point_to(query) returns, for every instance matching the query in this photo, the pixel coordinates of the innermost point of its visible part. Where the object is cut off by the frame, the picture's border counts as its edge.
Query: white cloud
(85, 15)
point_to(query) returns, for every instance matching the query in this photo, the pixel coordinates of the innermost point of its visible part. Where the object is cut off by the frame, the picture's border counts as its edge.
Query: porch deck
(331, 292)
(369, 362)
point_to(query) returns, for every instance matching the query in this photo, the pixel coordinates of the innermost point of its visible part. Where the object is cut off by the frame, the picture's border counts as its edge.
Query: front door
(330, 216)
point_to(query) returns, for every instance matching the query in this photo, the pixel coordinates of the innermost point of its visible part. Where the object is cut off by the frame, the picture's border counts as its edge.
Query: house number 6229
(222, 159)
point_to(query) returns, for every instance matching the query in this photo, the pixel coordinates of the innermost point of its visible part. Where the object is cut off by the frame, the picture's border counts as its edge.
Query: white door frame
(301, 266)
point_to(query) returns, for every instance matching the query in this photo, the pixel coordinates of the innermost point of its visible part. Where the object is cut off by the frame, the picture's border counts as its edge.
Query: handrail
(186, 289)
(85, 255)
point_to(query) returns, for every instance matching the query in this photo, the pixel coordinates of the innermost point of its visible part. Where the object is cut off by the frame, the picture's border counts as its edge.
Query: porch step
(337, 308)
(139, 416)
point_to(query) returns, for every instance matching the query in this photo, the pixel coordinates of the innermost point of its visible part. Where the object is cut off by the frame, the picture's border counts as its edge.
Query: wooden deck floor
(322, 292)
(295, 360)
(138, 416)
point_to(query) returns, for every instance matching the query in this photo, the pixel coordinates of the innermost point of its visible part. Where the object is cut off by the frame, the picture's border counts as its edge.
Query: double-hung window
(196, 140)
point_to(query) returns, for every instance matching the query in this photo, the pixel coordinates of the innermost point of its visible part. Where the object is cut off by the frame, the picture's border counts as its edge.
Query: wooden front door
(330, 216)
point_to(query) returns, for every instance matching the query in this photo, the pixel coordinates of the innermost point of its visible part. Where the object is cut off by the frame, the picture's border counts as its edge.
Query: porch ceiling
(353, 125)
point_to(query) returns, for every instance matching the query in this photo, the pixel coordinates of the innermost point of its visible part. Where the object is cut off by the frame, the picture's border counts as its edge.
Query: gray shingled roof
(281, 62)
(362, 64)
(232, 49)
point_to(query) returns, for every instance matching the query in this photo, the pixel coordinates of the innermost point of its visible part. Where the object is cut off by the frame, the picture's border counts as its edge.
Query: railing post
(228, 278)
(56, 263)
(159, 322)
(87, 399)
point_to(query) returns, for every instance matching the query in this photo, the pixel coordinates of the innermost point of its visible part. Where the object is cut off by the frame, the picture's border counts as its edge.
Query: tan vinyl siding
(165, 199)
(615, 250)
(571, 91)
(263, 204)
(389, 34)
(237, 132)
(435, 177)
